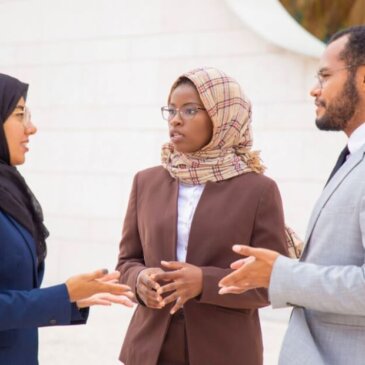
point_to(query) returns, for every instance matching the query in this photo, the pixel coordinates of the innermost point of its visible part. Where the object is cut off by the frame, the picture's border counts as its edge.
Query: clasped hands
(157, 288)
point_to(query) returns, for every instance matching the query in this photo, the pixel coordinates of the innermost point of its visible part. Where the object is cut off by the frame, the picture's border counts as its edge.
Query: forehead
(184, 93)
(331, 56)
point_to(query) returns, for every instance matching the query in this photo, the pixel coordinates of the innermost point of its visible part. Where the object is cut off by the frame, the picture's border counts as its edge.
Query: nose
(316, 90)
(30, 129)
(176, 120)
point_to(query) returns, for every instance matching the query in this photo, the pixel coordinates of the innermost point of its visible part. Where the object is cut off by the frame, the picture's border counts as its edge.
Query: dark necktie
(341, 160)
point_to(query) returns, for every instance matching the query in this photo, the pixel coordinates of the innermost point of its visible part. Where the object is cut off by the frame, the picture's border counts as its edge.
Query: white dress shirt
(189, 196)
(357, 139)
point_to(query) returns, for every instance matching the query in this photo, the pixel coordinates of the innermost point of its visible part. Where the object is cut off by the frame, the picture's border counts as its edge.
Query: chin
(18, 161)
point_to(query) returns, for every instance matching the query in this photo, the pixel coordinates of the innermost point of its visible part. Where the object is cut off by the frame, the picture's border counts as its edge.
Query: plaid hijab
(228, 154)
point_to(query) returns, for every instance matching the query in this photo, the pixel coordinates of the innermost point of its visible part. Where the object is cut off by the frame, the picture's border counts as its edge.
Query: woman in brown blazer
(183, 218)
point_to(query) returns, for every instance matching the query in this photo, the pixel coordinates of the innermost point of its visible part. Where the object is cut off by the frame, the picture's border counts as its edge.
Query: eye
(324, 76)
(19, 115)
(190, 110)
(171, 111)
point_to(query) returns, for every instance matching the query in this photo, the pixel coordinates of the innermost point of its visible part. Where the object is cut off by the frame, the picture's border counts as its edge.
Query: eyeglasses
(24, 116)
(323, 75)
(186, 112)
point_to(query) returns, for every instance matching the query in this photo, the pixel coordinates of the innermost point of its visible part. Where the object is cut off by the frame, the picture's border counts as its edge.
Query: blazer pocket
(7, 338)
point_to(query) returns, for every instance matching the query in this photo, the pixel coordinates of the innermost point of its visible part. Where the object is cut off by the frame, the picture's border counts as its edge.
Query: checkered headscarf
(228, 154)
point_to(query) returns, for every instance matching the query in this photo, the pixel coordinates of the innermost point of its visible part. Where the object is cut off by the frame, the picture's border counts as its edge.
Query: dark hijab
(16, 199)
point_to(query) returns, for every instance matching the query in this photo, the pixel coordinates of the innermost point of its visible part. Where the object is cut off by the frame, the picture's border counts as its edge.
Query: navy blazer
(23, 305)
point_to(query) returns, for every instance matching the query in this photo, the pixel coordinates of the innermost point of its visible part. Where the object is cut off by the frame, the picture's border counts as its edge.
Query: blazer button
(52, 322)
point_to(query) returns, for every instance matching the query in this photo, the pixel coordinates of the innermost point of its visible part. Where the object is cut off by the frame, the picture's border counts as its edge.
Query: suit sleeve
(37, 308)
(320, 287)
(269, 233)
(130, 259)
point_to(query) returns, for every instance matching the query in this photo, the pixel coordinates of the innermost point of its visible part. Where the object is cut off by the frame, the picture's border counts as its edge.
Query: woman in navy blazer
(23, 305)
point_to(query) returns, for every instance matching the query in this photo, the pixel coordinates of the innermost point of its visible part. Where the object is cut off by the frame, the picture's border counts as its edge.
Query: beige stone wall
(99, 70)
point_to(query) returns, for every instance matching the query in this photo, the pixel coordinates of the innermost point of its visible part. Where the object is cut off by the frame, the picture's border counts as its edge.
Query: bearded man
(326, 286)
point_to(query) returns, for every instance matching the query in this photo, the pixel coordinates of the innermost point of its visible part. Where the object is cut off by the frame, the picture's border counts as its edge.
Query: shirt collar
(357, 138)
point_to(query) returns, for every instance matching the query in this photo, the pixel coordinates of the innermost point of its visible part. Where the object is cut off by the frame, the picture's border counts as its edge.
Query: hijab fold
(16, 198)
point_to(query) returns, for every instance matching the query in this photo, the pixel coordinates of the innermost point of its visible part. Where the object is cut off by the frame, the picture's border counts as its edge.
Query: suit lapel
(332, 186)
(172, 193)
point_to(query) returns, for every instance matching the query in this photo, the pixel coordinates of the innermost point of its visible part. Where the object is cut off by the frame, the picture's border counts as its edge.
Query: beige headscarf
(229, 153)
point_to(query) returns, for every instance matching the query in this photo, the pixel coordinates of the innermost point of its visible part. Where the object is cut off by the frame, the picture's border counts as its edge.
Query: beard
(341, 110)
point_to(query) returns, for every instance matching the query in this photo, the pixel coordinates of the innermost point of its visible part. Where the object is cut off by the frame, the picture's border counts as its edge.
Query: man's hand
(251, 272)
(185, 282)
(86, 285)
(147, 288)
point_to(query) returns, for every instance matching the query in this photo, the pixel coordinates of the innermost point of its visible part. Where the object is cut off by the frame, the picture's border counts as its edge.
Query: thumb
(98, 274)
(244, 250)
(261, 254)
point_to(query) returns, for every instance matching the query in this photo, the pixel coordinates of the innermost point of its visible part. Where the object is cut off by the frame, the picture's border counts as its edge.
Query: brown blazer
(221, 329)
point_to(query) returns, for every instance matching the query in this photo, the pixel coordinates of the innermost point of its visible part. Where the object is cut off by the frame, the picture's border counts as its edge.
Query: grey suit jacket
(327, 286)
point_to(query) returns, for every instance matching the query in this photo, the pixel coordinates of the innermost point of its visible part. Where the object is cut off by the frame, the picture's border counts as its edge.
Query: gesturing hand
(147, 288)
(108, 299)
(85, 285)
(186, 282)
(251, 272)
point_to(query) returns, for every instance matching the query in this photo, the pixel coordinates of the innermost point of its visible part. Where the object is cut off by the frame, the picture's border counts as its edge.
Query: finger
(170, 298)
(174, 265)
(179, 303)
(232, 290)
(166, 276)
(116, 299)
(97, 274)
(117, 289)
(114, 275)
(259, 253)
(100, 301)
(239, 263)
(150, 297)
(149, 282)
(230, 280)
(167, 288)
(129, 294)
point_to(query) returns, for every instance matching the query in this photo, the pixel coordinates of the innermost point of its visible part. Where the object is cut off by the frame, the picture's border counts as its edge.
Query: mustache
(319, 102)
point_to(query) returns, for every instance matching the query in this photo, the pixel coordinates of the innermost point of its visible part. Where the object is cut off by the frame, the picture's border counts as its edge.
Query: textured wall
(99, 70)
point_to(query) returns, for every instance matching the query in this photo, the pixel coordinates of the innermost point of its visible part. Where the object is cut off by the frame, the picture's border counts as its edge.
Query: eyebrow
(322, 69)
(21, 107)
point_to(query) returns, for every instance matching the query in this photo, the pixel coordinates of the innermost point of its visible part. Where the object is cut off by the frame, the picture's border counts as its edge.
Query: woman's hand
(86, 285)
(104, 299)
(185, 282)
(107, 298)
(147, 288)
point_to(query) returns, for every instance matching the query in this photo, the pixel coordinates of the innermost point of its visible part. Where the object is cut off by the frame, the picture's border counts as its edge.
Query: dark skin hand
(185, 282)
(147, 288)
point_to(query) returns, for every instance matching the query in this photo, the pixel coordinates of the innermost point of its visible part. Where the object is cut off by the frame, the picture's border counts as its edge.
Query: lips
(24, 144)
(176, 136)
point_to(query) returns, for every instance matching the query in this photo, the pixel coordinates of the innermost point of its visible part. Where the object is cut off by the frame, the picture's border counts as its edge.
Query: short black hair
(354, 52)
